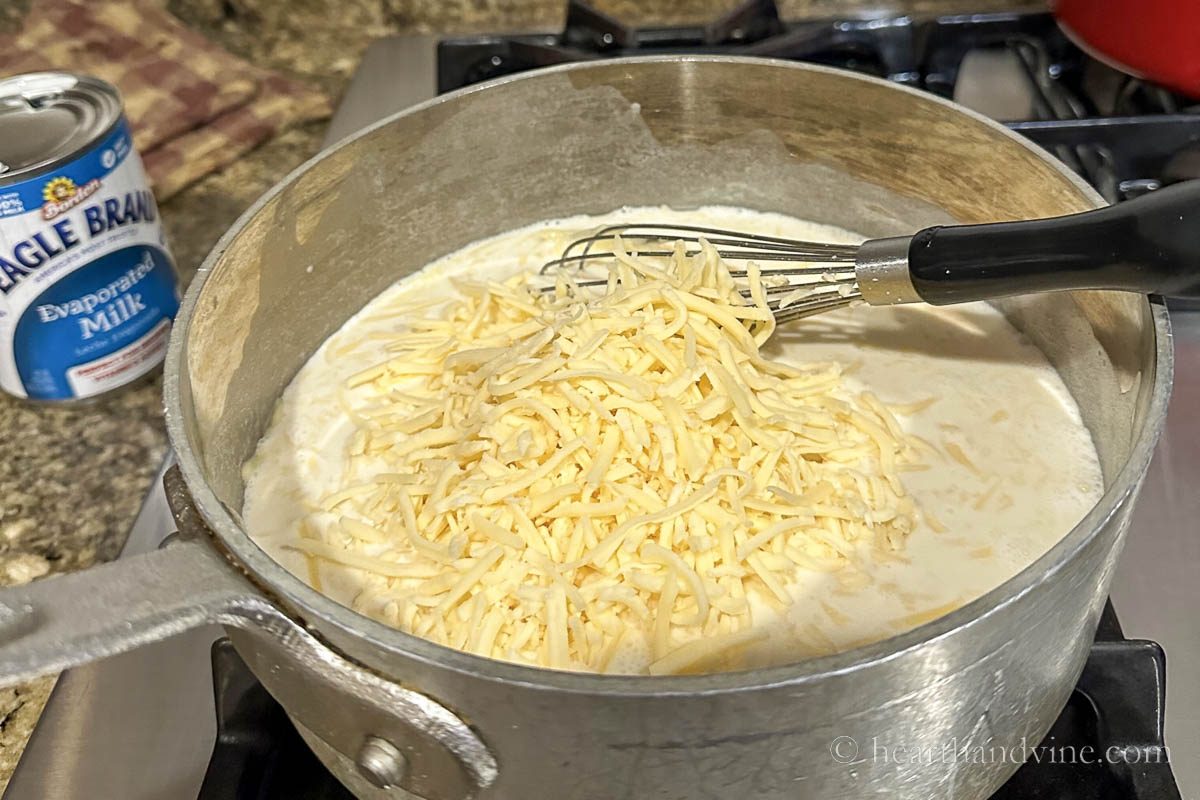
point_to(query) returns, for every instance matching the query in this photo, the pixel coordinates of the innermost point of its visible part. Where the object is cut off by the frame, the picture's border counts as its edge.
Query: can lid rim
(69, 110)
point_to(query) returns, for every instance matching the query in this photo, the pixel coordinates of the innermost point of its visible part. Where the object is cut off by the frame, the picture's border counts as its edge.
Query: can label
(87, 285)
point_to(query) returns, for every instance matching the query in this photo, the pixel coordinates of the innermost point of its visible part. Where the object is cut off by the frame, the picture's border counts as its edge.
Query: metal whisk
(830, 285)
(1150, 245)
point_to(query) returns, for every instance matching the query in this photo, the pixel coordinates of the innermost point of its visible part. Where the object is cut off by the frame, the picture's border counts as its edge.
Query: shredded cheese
(558, 473)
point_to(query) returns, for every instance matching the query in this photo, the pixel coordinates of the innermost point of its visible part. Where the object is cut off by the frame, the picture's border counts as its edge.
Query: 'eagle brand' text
(28, 255)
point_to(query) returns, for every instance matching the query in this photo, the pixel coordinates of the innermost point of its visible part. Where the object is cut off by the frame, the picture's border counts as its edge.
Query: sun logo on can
(58, 190)
(62, 194)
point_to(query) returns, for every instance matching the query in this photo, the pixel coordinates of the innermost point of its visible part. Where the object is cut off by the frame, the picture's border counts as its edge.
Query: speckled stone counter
(72, 479)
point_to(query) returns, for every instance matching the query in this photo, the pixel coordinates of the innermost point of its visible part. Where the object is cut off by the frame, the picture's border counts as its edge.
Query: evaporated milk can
(88, 287)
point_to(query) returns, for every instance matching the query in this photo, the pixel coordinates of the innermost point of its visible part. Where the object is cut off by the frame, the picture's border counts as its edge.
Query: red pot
(1154, 39)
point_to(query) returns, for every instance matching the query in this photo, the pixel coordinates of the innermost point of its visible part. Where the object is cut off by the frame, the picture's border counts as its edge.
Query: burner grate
(1124, 135)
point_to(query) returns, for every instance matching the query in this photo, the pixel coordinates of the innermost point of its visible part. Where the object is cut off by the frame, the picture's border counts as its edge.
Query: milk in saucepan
(1009, 465)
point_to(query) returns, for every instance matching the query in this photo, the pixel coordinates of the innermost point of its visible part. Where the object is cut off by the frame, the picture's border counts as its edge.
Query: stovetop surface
(141, 726)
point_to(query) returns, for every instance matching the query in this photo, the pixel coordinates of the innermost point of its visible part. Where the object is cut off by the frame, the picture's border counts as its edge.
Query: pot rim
(316, 607)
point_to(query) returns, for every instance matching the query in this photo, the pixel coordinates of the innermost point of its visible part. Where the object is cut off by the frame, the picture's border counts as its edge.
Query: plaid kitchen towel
(193, 107)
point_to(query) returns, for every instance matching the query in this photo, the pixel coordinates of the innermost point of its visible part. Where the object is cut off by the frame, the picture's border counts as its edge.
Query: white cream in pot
(1011, 466)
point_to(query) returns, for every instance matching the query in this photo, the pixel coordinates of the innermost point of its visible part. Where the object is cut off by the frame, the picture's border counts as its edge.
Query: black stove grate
(258, 754)
(1124, 135)
(1118, 703)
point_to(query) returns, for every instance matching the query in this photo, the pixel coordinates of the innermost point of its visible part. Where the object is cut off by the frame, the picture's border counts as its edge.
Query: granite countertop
(72, 478)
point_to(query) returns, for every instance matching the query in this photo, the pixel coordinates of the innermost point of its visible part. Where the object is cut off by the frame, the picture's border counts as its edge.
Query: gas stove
(185, 718)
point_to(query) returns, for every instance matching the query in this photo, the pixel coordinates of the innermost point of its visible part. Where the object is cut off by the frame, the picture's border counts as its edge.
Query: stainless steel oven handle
(401, 739)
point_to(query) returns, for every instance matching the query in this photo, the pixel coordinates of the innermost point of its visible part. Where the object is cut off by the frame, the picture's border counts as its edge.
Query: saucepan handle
(67, 620)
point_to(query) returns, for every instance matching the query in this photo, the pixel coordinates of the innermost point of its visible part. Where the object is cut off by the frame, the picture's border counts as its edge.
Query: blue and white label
(87, 285)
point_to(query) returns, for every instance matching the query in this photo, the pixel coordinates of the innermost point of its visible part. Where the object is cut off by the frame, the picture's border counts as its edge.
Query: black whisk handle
(1149, 245)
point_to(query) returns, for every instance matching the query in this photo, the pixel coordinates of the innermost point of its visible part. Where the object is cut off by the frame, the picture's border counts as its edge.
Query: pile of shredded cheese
(556, 471)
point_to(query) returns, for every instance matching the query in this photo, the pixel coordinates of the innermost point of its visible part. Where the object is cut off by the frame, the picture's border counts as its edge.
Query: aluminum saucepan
(385, 709)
